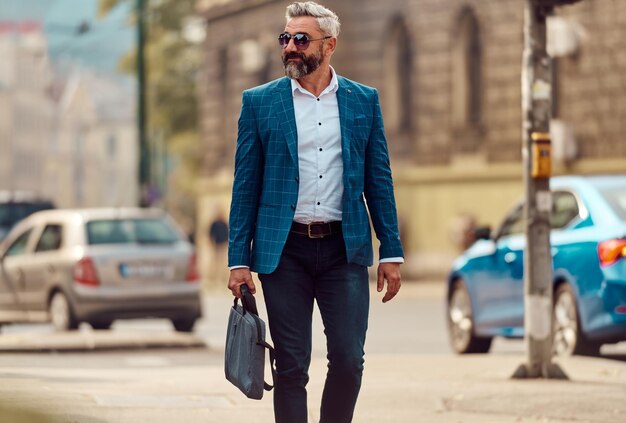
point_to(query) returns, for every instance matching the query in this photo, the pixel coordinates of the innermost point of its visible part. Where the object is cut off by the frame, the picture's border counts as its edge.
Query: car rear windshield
(616, 197)
(128, 231)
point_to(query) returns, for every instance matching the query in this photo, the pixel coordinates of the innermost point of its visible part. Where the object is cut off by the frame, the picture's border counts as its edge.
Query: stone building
(449, 74)
(71, 139)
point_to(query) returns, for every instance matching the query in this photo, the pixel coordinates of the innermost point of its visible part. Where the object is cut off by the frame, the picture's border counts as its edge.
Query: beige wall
(429, 200)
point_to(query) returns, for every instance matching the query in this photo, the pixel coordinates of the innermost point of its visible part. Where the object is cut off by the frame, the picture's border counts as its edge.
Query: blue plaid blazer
(265, 188)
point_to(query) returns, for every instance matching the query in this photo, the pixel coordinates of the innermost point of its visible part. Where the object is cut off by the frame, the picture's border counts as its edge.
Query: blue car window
(514, 223)
(617, 200)
(564, 209)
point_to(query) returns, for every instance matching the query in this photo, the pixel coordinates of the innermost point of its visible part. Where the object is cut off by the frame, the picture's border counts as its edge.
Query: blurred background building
(67, 120)
(27, 121)
(449, 76)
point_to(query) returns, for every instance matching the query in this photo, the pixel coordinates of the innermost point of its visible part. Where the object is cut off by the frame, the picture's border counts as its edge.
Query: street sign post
(537, 153)
(142, 112)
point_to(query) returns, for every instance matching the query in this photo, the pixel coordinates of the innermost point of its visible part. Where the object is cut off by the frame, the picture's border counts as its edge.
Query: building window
(112, 146)
(397, 89)
(466, 72)
(222, 73)
(222, 78)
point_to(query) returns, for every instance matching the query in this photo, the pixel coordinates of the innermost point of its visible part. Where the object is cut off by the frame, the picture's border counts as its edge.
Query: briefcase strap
(272, 355)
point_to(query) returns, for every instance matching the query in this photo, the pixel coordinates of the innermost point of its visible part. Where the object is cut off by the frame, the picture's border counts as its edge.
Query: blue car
(588, 240)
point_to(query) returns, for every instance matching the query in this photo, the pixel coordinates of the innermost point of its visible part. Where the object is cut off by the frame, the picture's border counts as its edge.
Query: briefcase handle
(247, 300)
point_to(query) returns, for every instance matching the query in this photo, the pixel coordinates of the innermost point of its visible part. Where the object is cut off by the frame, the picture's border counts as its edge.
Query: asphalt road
(412, 323)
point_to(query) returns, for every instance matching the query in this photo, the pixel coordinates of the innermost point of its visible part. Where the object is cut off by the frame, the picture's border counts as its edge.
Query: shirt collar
(332, 87)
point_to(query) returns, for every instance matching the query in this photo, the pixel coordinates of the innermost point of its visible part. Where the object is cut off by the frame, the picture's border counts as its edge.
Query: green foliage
(172, 64)
(104, 6)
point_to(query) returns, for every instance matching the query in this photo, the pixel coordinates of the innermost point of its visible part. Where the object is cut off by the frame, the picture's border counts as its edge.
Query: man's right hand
(239, 277)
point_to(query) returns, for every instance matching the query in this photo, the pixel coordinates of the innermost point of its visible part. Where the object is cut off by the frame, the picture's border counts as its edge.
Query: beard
(304, 67)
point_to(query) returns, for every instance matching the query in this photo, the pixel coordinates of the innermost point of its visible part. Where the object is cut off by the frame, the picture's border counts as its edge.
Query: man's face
(299, 63)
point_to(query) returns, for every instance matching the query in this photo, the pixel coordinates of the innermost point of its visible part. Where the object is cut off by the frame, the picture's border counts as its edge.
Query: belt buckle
(308, 228)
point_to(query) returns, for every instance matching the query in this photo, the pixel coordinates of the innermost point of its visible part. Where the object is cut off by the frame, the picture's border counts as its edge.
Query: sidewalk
(396, 389)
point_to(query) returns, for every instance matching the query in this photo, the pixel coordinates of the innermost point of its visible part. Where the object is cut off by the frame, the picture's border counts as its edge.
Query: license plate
(145, 271)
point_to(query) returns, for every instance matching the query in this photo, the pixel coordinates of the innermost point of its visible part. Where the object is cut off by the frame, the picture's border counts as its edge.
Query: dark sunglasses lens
(300, 40)
(283, 39)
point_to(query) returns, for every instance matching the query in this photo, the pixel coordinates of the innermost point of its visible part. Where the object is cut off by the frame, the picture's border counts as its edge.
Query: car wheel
(61, 314)
(568, 339)
(184, 325)
(101, 324)
(461, 323)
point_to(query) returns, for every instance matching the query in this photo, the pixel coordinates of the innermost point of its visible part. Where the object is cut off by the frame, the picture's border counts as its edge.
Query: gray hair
(327, 19)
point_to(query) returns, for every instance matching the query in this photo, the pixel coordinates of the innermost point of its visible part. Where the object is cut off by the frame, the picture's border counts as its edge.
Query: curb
(96, 341)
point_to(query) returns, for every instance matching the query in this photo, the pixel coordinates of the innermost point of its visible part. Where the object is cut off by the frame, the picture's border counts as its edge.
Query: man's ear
(330, 46)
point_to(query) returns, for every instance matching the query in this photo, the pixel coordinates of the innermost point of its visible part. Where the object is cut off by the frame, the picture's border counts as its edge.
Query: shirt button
(319, 123)
(318, 203)
(318, 99)
(320, 176)
(321, 148)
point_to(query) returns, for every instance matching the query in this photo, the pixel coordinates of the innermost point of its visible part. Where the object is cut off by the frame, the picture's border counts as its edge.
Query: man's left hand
(390, 272)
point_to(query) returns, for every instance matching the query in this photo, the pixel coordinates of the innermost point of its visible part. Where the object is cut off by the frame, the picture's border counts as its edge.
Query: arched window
(398, 59)
(466, 72)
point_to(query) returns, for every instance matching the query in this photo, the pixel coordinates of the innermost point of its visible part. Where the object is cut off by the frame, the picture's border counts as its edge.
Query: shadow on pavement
(617, 357)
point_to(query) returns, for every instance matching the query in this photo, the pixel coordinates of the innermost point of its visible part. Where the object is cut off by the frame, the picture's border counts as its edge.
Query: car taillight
(192, 270)
(611, 251)
(85, 272)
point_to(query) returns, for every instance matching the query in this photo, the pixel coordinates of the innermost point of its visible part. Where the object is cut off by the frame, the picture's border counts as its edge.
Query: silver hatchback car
(96, 266)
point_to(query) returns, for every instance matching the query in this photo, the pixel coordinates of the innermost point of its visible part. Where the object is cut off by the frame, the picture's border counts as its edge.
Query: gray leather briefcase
(244, 358)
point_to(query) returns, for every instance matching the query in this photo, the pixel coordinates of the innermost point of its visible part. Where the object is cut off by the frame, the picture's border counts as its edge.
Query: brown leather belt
(316, 229)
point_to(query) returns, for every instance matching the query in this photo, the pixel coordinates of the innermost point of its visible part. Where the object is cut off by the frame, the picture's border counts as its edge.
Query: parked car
(96, 266)
(588, 241)
(16, 205)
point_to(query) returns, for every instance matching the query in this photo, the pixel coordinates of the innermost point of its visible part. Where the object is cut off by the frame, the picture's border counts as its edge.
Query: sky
(101, 47)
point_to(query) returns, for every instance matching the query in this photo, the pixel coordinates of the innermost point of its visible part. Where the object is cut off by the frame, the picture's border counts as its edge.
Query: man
(218, 236)
(311, 150)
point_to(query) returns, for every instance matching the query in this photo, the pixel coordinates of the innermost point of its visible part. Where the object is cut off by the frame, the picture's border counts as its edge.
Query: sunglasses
(301, 41)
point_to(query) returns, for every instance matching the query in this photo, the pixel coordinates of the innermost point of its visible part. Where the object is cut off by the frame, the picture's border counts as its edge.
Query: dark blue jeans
(317, 269)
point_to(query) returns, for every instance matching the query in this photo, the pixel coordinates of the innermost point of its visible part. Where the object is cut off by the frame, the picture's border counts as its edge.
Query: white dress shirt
(319, 154)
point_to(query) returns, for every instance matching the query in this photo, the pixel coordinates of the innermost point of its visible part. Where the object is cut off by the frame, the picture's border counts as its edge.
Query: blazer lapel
(284, 111)
(345, 101)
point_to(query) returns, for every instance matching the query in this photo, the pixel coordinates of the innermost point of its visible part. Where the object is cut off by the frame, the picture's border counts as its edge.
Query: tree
(172, 64)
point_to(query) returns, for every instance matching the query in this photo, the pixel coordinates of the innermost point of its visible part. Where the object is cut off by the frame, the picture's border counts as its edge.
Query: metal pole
(536, 109)
(142, 115)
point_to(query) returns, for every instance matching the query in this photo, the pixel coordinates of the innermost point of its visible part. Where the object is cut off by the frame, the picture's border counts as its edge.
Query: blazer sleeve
(379, 188)
(246, 185)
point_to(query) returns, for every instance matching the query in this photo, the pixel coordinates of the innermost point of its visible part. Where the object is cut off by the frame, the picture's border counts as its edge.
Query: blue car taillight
(611, 251)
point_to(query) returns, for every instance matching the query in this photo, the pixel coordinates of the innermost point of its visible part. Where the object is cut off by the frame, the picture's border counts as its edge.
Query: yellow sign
(541, 155)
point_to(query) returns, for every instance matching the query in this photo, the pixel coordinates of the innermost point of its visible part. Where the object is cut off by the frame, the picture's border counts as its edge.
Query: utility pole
(142, 114)
(536, 109)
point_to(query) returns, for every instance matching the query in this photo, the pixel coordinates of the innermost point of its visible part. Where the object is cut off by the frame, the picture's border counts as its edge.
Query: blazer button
(297, 179)
(293, 207)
